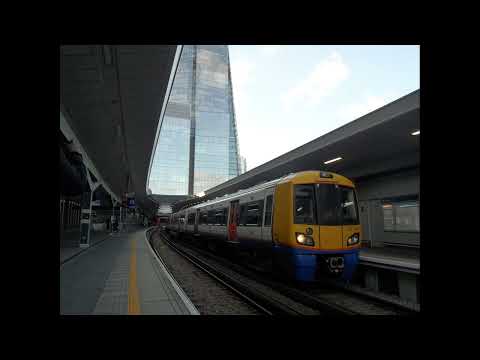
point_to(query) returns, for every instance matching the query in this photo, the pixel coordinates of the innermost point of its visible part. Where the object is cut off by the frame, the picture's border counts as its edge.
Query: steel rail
(302, 296)
(258, 300)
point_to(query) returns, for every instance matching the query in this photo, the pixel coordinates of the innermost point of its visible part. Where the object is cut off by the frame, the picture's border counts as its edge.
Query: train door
(197, 219)
(233, 221)
(267, 218)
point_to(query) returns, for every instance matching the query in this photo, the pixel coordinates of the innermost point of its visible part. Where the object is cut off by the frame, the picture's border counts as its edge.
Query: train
(306, 223)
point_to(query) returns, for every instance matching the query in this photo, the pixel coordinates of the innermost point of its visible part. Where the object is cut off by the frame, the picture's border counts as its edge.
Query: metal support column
(113, 215)
(61, 213)
(86, 218)
(120, 224)
(408, 287)
(371, 279)
(86, 203)
(191, 167)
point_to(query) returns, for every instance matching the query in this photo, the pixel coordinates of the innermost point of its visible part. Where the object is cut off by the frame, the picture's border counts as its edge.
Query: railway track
(330, 300)
(261, 300)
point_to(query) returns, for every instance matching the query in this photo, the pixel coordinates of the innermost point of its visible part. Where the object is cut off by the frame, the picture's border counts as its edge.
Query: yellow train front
(316, 229)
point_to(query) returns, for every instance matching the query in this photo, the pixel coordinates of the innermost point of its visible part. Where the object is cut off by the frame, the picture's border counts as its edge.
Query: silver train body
(210, 220)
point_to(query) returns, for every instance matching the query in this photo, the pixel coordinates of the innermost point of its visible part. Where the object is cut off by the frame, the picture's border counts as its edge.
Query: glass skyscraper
(198, 144)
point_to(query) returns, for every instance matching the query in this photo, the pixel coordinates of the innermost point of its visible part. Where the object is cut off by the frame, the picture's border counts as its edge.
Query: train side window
(254, 213)
(219, 217)
(203, 218)
(191, 219)
(268, 211)
(225, 216)
(211, 217)
(304, 204)
(243, 215)
(260, 212)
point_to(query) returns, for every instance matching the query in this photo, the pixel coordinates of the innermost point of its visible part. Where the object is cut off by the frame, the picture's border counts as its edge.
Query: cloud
(242, 71)
(269, 50)
(370, 103)
(325, 78)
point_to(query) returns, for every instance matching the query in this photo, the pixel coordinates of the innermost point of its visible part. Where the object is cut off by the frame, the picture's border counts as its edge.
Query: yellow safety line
(133, 298)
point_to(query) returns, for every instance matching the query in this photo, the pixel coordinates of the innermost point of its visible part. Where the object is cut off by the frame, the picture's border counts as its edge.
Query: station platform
(70, 240)
(394, 258)
(121, 275)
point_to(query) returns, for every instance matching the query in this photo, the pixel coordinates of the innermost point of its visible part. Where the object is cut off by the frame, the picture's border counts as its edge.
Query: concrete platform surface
(407, 258)
(67, 247)
(119, 276)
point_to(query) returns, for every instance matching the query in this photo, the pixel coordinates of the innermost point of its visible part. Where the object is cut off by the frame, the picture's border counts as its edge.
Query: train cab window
(304, 204)
(329, 212)
(348, 206)
(268, 211)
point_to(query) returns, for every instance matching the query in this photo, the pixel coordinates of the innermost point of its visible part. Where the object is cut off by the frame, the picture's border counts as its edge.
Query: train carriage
(307, 222)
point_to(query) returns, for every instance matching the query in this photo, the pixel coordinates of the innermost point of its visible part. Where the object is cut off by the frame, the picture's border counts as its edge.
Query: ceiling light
(416, 132)
(330, 161)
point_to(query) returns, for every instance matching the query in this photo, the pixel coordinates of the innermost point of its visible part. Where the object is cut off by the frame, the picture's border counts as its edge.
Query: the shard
(198, 145)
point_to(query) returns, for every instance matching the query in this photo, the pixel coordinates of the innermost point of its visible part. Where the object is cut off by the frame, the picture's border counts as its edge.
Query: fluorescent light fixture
(416, 132)
(330, 161)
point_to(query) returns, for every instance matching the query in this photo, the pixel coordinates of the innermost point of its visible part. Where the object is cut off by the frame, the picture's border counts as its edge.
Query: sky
(286, 96)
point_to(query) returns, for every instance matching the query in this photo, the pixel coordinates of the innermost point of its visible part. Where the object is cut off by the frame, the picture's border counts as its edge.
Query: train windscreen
(336, 205)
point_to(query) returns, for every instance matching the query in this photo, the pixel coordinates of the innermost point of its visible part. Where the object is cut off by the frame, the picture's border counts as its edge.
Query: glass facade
(198, 144)
(243, 165)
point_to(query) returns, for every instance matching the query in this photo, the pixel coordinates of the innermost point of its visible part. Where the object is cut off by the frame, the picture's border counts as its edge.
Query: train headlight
(354, 239)
(303, 239)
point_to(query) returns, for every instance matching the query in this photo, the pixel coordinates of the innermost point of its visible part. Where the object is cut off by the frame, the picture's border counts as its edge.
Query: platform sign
(96, 203)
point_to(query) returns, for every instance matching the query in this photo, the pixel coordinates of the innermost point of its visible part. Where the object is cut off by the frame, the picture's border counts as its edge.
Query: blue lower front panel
(303, 265)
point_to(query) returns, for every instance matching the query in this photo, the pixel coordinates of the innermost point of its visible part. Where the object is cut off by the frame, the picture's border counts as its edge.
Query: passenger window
(243, 214)
(252, 214)
(225, 216)
(219, 217)
(304, 204)
(203, 218)
(211, 217)
(268, 211)
(260, 213)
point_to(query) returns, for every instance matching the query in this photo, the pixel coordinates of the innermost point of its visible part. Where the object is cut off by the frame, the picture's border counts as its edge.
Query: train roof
(302, 177)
